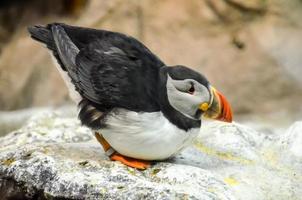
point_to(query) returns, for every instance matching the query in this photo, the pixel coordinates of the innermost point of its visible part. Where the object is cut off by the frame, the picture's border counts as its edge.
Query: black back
(111, 69)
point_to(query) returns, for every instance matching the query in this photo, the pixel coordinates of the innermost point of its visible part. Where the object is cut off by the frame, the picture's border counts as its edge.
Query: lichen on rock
(53, 156)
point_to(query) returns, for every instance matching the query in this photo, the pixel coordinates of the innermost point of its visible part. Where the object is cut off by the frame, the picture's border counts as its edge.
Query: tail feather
(44, 35)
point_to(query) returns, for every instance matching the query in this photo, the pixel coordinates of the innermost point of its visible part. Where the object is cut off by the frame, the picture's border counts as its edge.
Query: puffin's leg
(131, 162)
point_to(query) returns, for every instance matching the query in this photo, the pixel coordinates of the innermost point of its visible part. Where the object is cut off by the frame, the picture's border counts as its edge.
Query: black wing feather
(107, 68)
(44, 35)
(115, 77)
(67, 51)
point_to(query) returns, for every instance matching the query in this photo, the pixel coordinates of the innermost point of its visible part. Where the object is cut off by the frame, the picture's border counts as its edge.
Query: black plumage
(111, 70)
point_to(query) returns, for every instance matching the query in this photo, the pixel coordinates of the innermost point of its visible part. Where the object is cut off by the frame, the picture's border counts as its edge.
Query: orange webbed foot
(131, 162)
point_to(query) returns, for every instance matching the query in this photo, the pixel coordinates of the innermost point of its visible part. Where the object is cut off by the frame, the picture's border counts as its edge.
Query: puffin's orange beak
(219, 108)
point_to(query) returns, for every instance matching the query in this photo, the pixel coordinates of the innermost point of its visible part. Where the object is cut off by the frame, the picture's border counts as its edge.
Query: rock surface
(12, 120)
(52, 156)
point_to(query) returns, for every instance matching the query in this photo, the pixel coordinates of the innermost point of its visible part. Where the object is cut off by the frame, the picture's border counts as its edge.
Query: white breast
(148, 136)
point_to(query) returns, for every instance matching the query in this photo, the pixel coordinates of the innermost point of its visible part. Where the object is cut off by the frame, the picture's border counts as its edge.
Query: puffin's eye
(192, 89)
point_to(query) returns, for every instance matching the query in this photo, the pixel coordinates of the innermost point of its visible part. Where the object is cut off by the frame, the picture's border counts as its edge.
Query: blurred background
(250, 50)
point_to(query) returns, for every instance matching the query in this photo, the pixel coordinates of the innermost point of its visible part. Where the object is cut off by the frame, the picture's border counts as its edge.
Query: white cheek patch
(202, 93)
(185, 103)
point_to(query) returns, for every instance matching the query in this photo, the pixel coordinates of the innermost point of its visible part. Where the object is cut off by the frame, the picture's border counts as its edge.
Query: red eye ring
(191, 90)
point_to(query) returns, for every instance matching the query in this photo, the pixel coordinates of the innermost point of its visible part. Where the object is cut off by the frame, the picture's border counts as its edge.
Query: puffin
(140, 109)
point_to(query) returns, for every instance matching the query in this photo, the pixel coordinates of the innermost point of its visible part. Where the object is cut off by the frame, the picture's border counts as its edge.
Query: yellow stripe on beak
(204, 106)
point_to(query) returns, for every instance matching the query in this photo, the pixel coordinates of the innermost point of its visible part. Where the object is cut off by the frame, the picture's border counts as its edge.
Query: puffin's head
(191, 94)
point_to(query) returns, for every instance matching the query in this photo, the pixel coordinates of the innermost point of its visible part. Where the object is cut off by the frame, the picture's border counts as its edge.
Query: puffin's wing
(109, 69)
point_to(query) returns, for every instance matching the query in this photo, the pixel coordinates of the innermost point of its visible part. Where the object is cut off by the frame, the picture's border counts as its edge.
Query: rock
(52, 156)
(62, 158)
(291, 148)
(24, 69)
(12, 120)
(36, 75)
(293, 139)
